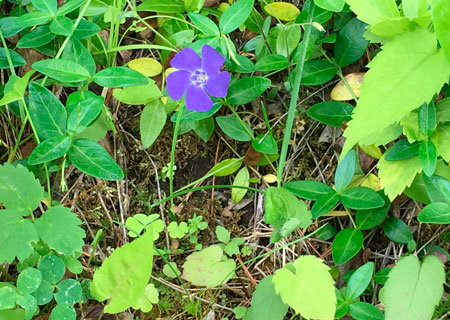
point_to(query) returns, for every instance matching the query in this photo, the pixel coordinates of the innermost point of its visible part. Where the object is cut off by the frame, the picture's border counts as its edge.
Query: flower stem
(172, 151)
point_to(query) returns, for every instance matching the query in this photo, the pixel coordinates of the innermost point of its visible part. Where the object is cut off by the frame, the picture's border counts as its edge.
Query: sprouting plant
(165, 171)
(177, 230)
(195, 225)
(230, 246)
(198, 78)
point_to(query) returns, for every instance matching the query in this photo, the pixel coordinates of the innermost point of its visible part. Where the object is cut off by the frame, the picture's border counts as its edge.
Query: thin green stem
(172, 151)
(8, 57)
(294, 98)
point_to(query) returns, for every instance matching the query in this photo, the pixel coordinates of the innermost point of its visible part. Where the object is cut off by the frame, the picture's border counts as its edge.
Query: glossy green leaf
(330, 5)
(62, 70)
(61, 26)
(226, 167)
(324, 204)
(8, 26)
(234, 128)
(428, 157)
(287, 39)
(402, 150)
(271, 62)
(86, 29)
(166, 6)
(92, 159)
(332, 113)
(206, 25)
(350, 43)
(75, 51)
(327, 232)
(368, 219)
(436, 212)
(341, 304)
(191, 115)
(311, 190)
(69, 6)
(69, 292)
(241, 179)
(83, 107)
(45, 5)
(98, 129)
(152, 121)
(60, 229)
(361, 198)
(133, 261)
(345, 171)
(50, 149)
(119, 77)
(346, 245)
(265, 144)
(32, 19)
(427, 118)
(247, 89)
(440, 12)
(235, 16)
(52, 268)
(359, 281)
(29, 280)
(35, 38)
(16, 59)
(365, 311)
(316, 72)
(382, 275)
(245, 65)
(397, 230)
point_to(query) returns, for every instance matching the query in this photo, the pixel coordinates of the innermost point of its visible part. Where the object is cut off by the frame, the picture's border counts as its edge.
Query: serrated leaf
(19, 189)
(310, 291)
(124, 274)
(374, 11)
(207, 269)
(395, 72)
(413, 289)
(60, 230)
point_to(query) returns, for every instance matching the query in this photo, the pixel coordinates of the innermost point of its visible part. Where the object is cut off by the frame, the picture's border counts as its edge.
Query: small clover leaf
(146, 301)
(177, 230)
(29, 280)
(139, 222)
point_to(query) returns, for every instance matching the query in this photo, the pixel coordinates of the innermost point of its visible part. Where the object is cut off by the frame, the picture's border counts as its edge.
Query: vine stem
(294, 98)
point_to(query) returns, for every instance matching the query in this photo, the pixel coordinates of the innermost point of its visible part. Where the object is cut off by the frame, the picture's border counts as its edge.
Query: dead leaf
(340, 91)
(252, 157)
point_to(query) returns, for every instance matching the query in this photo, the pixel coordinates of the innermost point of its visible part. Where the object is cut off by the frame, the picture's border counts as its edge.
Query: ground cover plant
(210, 159)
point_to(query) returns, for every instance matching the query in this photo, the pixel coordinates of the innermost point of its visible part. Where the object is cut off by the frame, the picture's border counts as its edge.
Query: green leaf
(50, 149)
(332, 113)
(414, 8)
(247, 89)
(226, 167)
(223, 235)
(193, 5)
(402, 64)
(341, 305)
(29, 303)
(368, 219)
(310, 291)
(245, 65)
(413, 289)
(151, 123)
(330, 5)
(327, 232)
(206, 25)
(365, 311)
(19, 189)
(8, 298)
(265, 143)
(167, 6)
(345, 171)
(92, 159)
(137, 95)
(44, 294)
(235, 16)
(146, 301)
(86, 29)
(16, 236)
(167, 270)
(428, 157)
(61, 26)
(397, 231)
(359, 281)
(442, 110)
(69, 292)
(204, 128)
(206, 268)
(62, 70)
(284, 212)
(382, 275)
(234, 128)
(16, 59)
(83, 107)
(272, 62)
(311, 190)
(324, 204)
(374, 11)
(32, 19)
(191, 115)
(75, 51)
(350, 44)
(119, 77)
(29, 280)
(316, 72)
(63, 311)
(440, 13)
(45, 5)
(287, 39)
(35, 38)
(8, 26)
(427, 118)
(123, 276)
(177, 231)
(60, 229)
(242, 179)
(266, 303)
(361, 198)
(402, 150)
(436, 212)
(441, 138)
(69, 6)
(52, 268)
(346, 245)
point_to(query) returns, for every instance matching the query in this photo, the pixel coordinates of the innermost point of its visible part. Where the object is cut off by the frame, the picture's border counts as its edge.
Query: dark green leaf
(437, 188)
(92, 159)
(119, 77)
(52, 268)
(381, 276)
(316, 72)
(272, 62)
(402, 150)
(86, 29)
(245, 65)
(361, 198)
(327, 232)
(61, 26)
(265, 144)
(69, 292)
(365, 311)
(427, 118)
(9, 27)
(346, 245)
(62, 70)
(32, 19)
(368, 219)
(152, 121)
(234, 128)
(341, 304)
(324, 204)
(320, 15)
(36, 38)
(204, 128)
(350, 44)
(359, 281)
(63, 311)
(235, 15)
(247, 89)
(83, 107)
(428, 157)
(16, 59)
(436, 212)
(311, 190)
(345, 171)
(332, 113)
(397, 230)
(47, 112)
(166, 6)
(206, 25)
(49, 150)
(45, 5)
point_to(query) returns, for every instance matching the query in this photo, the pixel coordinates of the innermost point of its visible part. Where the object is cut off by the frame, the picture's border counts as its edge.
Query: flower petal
(187, 59)
(177, 83)
(217, 85)
(197, 99)
(212, 60)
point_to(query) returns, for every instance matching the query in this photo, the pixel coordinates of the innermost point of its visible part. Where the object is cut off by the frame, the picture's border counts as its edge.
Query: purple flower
(198, 78)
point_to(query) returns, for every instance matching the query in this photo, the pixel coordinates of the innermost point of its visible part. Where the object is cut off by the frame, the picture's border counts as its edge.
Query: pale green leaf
(441, 22)
(310, 291)
(137, 95)
(374, 11)
(153, 119)
(441, 139)
(124, 275)
(408, 72)
(146, 301)
(241, 179)
(413, 289)
(414, 8)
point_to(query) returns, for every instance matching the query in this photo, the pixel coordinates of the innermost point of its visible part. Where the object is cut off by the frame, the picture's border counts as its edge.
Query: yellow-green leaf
(282, 10)
(147, 66)
(241, 179)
